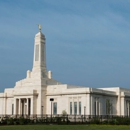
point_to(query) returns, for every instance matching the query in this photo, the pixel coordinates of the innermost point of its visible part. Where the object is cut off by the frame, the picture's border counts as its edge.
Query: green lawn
(65, 127)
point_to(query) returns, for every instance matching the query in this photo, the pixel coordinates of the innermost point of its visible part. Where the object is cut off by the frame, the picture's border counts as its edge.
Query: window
(70, 108)
(75, 108)
(79, 108)
(109, 107)
(54, 108)
(37, 53)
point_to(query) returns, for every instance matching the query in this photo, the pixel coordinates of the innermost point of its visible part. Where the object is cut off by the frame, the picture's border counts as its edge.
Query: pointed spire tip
(40, 27)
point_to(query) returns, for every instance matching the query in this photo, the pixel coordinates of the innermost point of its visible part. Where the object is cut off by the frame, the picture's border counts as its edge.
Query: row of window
(74, 107)
(109, 107)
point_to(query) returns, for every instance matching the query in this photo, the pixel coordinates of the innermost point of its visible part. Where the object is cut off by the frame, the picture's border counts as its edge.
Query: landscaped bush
(112, 122)
(15, 121)
(105, 122)
(95, 121)
(10, 121)
(65, 120)
(123, 120)
(3, 120)
(21, 121)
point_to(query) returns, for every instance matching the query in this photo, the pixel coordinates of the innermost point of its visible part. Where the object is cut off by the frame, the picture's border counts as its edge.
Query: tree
(64, 113)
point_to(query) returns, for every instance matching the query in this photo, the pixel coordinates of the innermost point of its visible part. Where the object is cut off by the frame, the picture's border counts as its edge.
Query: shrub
(64, 113)
(22, 121)
(10, 121)
(95, 121)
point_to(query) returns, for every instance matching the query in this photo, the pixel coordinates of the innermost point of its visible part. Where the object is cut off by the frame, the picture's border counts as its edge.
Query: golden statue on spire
(40, 27)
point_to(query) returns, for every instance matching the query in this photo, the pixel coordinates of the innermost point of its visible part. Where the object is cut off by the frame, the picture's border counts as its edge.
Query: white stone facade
(31, 96)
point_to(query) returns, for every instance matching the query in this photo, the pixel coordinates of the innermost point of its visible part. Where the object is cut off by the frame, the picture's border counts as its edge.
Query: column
(99, 107)
(31, 105)
(19, 106)
(15, 106)
(92, 108)
(90, 104)
(72, 106)
(96, 106)
(77, 106)
(27, 106)
(119, 105)
(24, 106)
(123, 106)
(5, 103)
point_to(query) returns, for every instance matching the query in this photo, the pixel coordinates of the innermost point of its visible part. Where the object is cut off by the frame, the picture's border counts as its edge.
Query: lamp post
(51, 99)
(42, 111)
(84, 112)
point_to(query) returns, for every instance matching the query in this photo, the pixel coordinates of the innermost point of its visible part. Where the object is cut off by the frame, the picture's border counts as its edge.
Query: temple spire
(39, 62)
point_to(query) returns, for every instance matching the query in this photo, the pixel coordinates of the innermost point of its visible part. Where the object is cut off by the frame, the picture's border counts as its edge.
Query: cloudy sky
(87, 41)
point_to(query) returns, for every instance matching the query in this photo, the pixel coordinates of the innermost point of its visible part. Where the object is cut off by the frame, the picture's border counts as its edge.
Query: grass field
(65, 127)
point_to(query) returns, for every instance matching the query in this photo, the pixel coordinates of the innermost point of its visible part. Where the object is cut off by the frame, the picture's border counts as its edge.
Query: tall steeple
(39, 61)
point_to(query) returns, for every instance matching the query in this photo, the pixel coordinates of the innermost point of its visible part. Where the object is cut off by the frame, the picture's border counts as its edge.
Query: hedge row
(63, 120)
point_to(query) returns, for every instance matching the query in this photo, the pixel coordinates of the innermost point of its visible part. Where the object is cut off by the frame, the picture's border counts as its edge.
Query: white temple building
(32, 95)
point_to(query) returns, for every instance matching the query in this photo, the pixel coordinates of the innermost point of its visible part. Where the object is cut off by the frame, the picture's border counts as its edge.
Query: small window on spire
(37, 53)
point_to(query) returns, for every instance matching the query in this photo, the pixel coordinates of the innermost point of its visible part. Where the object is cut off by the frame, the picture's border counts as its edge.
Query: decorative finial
(40, 27)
